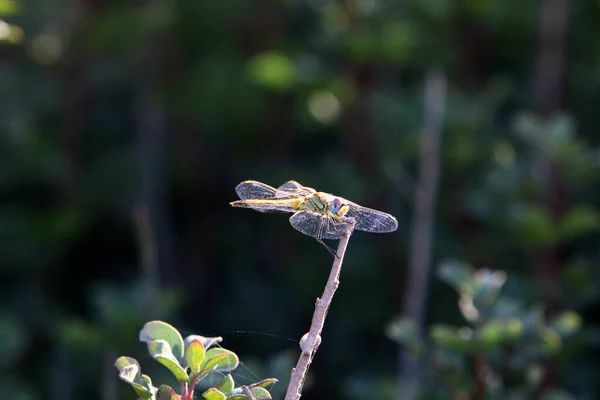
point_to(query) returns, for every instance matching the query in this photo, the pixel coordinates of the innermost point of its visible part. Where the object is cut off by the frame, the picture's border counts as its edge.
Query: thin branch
(422, 227)
(310, 341)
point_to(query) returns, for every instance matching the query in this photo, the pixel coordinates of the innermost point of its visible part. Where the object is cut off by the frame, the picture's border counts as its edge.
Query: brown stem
(423, 221)
(550, 71)
(479, 367)
(310, 341)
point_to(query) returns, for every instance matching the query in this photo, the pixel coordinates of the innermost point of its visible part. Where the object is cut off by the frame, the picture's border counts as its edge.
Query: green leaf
(532, 225)
(226, 384)
(451, 337)
(221, 360)
(213, 394)
(579, 221)
(458, 275)
(158, 330)
(273, 70)
(194, 355)
(260, 393)
(210, 362)
(404, 331)
(265, 383)
(567, 323)
(160, 350)
(207, 342)
(490, 335)
(551, 340)
(488, 284)
(129, 371)
(495, 332)
(9, 7)
(166, 392)
(514, 329)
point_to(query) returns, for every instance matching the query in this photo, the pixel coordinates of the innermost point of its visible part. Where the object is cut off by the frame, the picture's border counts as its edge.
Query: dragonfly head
(338, 207)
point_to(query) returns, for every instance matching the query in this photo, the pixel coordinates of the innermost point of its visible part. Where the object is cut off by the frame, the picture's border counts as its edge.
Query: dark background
(126, 125)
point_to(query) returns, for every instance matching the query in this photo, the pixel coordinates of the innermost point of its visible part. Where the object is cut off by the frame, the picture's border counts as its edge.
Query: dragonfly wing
(315, 225)
(255, 190)
(370, 220)
(293, 189)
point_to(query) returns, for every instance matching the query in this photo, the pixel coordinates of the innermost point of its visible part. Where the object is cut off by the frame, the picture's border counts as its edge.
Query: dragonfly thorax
(324, 203)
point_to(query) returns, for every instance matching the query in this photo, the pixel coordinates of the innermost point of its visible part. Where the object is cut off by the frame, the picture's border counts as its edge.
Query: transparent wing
(255, 190)
(317, 225)
(370, 220)
(293, 189)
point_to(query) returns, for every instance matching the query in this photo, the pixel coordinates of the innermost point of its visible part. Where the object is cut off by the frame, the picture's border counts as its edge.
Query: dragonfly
(317, 214)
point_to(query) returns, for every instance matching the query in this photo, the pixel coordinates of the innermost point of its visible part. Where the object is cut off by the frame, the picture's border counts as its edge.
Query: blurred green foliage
(506, 342)
(111, 107)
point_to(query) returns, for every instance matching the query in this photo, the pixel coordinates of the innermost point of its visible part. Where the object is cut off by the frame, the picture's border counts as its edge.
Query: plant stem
(422, 228)
(310, 341)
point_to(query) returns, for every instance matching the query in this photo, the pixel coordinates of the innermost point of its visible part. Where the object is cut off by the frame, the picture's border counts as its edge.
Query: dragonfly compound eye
(335, 205)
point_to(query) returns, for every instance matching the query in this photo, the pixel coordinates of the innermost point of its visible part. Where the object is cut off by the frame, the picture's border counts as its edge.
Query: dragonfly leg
(340, 226)
(329, 249)
(319, 238)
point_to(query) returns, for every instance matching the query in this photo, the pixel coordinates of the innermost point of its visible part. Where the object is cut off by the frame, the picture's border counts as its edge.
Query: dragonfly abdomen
(268, 205)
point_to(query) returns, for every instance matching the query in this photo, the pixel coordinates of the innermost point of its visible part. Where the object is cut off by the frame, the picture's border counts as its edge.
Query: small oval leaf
(207, 342)
(213, 394)
(161, 352)
(221, 360)
(166, 392)
(260, 393)
(194, 355)
(158, 330)
(129, 371)
(265, 383)
(226, 384)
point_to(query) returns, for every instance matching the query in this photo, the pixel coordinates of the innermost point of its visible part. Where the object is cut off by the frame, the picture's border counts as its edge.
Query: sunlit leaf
(221, 360)
(567, 323)
(451, 337)
(160, 350)
(9, 7)
(265, 383)
(155, 330)
(214, 394)
(207, 342)
(273, 70)
(226, 384)
(129, 371)
(194, 355)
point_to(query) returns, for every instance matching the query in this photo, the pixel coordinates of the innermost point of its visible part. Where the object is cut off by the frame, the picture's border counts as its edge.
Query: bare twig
(311, 340)
(422, 227)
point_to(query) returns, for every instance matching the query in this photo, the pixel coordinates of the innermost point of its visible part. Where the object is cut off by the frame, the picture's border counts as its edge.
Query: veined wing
(317, 225)
(264, 198)
(294, 189)
(370, 220)
(255, 190)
